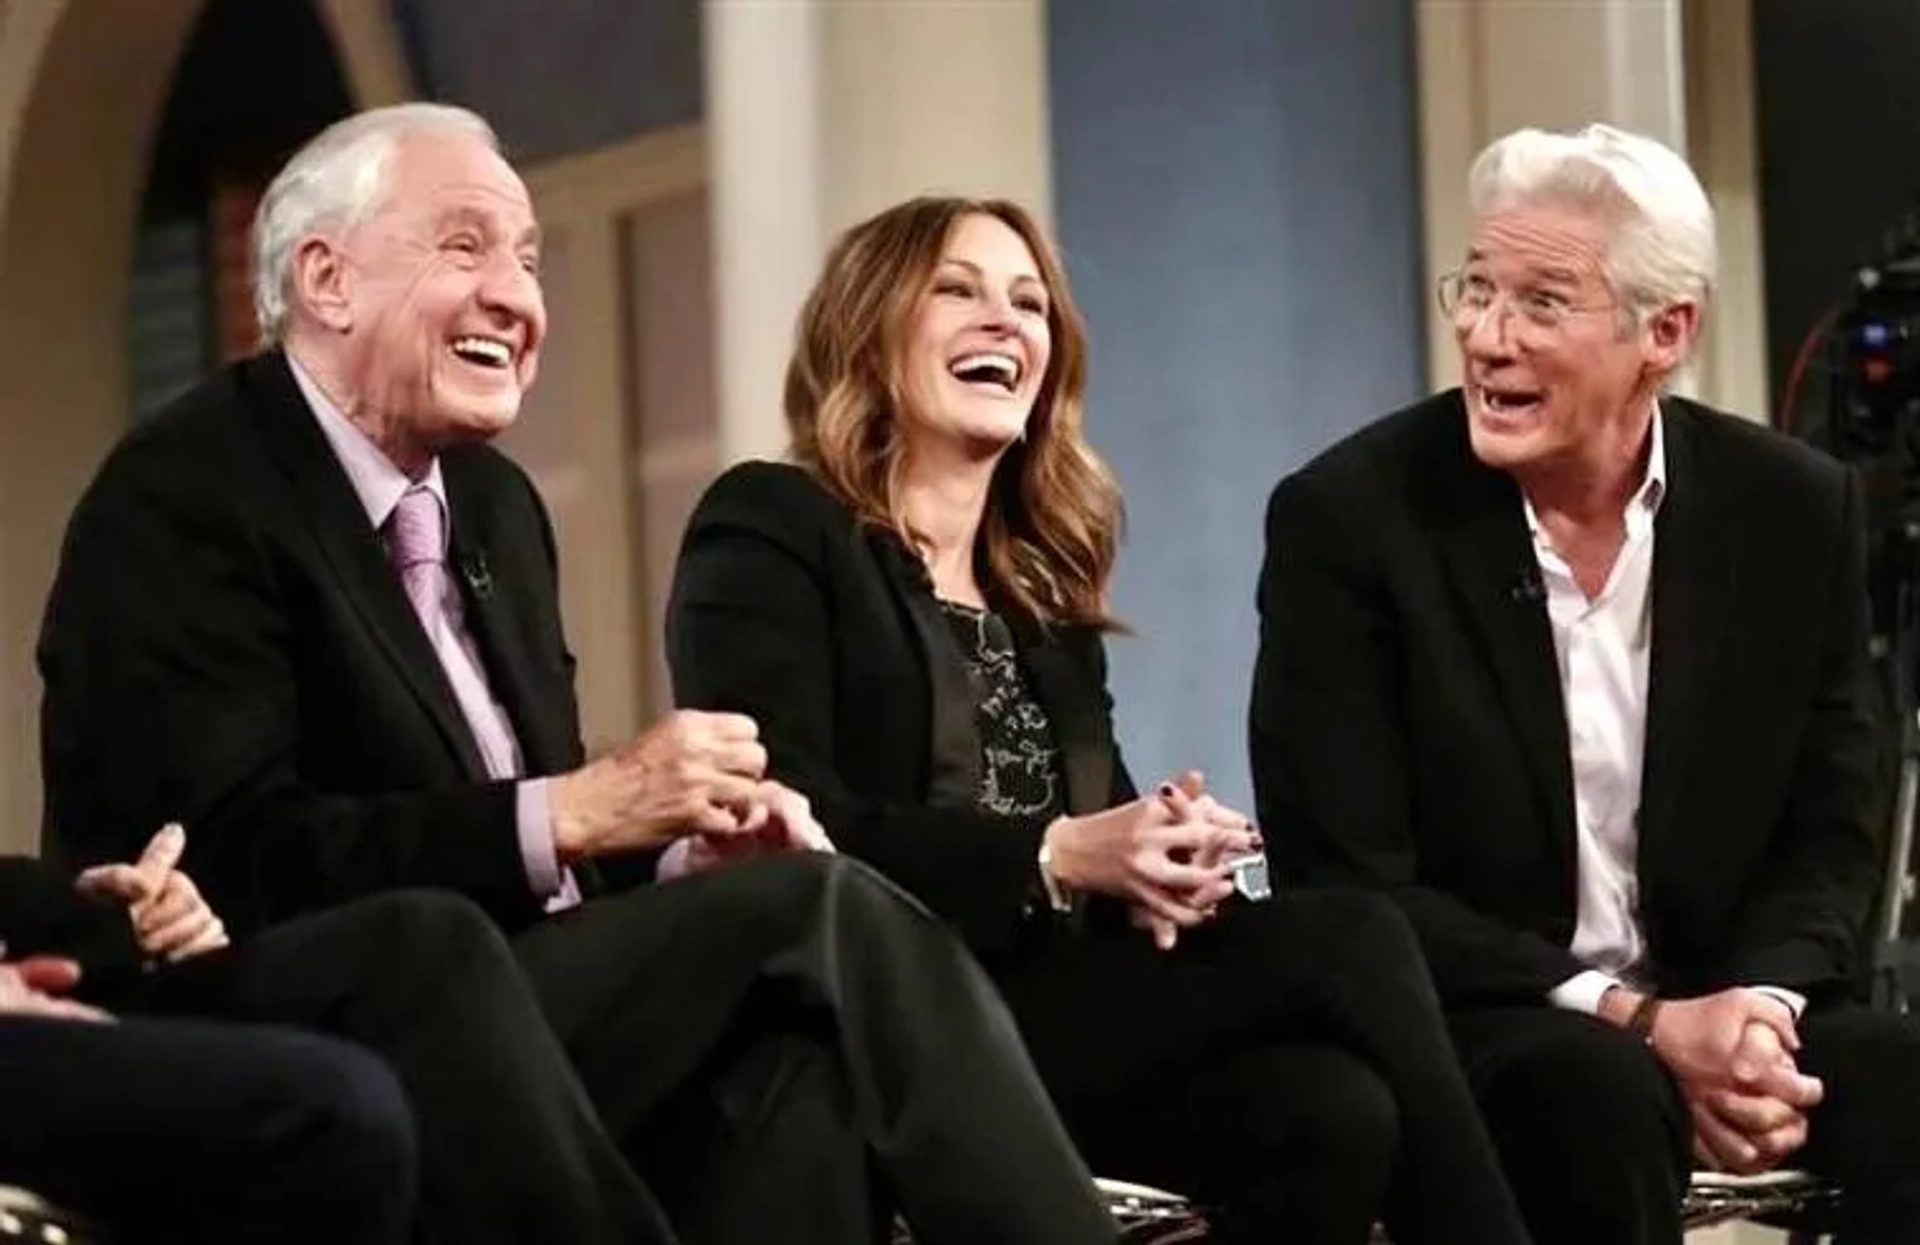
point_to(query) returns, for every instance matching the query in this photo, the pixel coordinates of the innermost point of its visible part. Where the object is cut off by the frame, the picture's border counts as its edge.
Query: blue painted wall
(1237, 192)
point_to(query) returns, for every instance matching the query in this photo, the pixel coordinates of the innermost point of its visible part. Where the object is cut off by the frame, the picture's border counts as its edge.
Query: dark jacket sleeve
(1802, 914)
(41, 914)
(750, 630)
(1330, 750)
(167, 656)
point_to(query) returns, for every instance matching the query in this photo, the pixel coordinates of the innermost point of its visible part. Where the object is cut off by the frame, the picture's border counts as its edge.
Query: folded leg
(645, 988)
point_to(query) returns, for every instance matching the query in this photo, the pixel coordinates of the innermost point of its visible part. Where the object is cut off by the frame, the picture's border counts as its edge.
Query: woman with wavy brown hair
(914, 611)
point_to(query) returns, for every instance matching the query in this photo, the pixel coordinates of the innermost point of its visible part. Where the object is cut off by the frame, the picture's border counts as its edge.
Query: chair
(1801, 1205)
(28, 1219)
(1149, 1216)
(1793, 1201)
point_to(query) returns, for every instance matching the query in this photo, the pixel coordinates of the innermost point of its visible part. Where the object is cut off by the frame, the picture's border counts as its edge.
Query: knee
(869, 890)
(852, 889)
(354, 1127)
(1349, 922)
(372, 1140)
(1593, 1096)
(434, 926)
(368, 1112)
(1362, 944)
(1338, 1116)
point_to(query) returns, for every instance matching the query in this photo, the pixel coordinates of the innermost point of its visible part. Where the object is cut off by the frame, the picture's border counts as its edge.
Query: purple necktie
(417, 543)
(416, 534)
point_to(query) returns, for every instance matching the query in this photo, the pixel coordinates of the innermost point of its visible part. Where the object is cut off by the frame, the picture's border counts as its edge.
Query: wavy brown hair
(1053, 521)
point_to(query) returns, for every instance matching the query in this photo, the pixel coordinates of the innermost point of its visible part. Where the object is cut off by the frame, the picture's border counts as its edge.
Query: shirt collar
(376, 481)
(1644, 503)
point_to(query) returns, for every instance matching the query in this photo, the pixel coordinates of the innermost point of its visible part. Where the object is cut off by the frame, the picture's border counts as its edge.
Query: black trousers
(820, 1042)
(511, 1149)
(183, 1131)
(1289, 1062)
(1596, 1138)
(782, 1050)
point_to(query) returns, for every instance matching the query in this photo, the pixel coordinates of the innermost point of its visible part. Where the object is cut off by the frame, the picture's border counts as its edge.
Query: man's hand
(1699, 1039)
(1743, 1129)
(32, 987)
(170, 919)
(690, 773)
(1745, 1134)
(780, 819)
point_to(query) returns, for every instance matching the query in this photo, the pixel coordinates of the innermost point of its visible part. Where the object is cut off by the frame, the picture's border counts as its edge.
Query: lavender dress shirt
(379, 485)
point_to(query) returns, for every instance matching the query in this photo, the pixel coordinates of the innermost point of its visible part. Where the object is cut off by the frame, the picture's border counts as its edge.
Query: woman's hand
(1167, 855)
(1186, 797)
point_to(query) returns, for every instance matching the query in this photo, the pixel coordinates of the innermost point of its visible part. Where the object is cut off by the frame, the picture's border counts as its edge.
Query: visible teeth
(986, 366)
(483, 349)
(1505, 400)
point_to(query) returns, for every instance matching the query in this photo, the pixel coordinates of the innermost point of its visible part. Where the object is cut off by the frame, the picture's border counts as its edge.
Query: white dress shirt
(1603, 644)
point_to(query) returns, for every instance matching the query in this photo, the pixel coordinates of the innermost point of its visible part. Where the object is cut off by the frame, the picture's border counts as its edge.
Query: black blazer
(826, 630)
(226, 645)
(1407, 727)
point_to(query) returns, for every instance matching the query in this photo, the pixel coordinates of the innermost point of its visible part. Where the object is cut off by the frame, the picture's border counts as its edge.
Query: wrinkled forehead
(1543, 241)
(432, 177)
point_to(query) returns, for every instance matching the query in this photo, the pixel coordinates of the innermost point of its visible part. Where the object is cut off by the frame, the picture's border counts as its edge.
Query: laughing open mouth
(1509, 401)
(483, 351)
(1001, 371)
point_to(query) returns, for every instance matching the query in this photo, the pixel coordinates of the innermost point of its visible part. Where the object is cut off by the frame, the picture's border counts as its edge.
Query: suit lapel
(1694, 580)
(495, 608)
(1074, 707)
(352, 550)
(1489, 556)
(953, 734)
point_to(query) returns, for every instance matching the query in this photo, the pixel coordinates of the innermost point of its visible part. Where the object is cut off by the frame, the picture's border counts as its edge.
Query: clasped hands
(693, 783)
(171, 921)
(1733, 1054)
(1168, 855)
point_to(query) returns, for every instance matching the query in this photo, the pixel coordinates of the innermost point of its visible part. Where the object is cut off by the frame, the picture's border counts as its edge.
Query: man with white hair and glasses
(1577, 671)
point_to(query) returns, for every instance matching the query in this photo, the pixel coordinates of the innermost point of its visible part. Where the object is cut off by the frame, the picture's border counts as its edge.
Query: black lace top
(1020, 771)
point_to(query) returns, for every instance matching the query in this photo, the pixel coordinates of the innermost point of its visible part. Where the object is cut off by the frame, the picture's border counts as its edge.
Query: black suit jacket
(826, 630)
(1407, 726)
(227, 645)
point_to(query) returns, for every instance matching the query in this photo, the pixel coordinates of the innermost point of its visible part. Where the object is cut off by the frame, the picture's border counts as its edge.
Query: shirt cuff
(534, 817)
(673, 862)
(1581, 992)
(1796, 1003)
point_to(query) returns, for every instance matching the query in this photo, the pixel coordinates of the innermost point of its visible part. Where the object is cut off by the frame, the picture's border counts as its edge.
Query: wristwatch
(1640, 1023)
(1057, 897)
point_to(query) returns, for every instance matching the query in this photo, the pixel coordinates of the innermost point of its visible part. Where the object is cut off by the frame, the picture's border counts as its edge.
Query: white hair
(335, 182)
(1662, 248)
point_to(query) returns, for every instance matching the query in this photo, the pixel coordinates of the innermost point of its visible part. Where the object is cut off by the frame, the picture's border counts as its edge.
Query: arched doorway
(232, 116)
(82, 86)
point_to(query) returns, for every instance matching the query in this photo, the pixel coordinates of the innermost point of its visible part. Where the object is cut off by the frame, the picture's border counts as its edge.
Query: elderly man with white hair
(1577, 671)
(311, 613)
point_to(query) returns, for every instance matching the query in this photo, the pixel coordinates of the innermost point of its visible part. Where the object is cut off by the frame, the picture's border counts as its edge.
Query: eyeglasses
(1466, 294)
